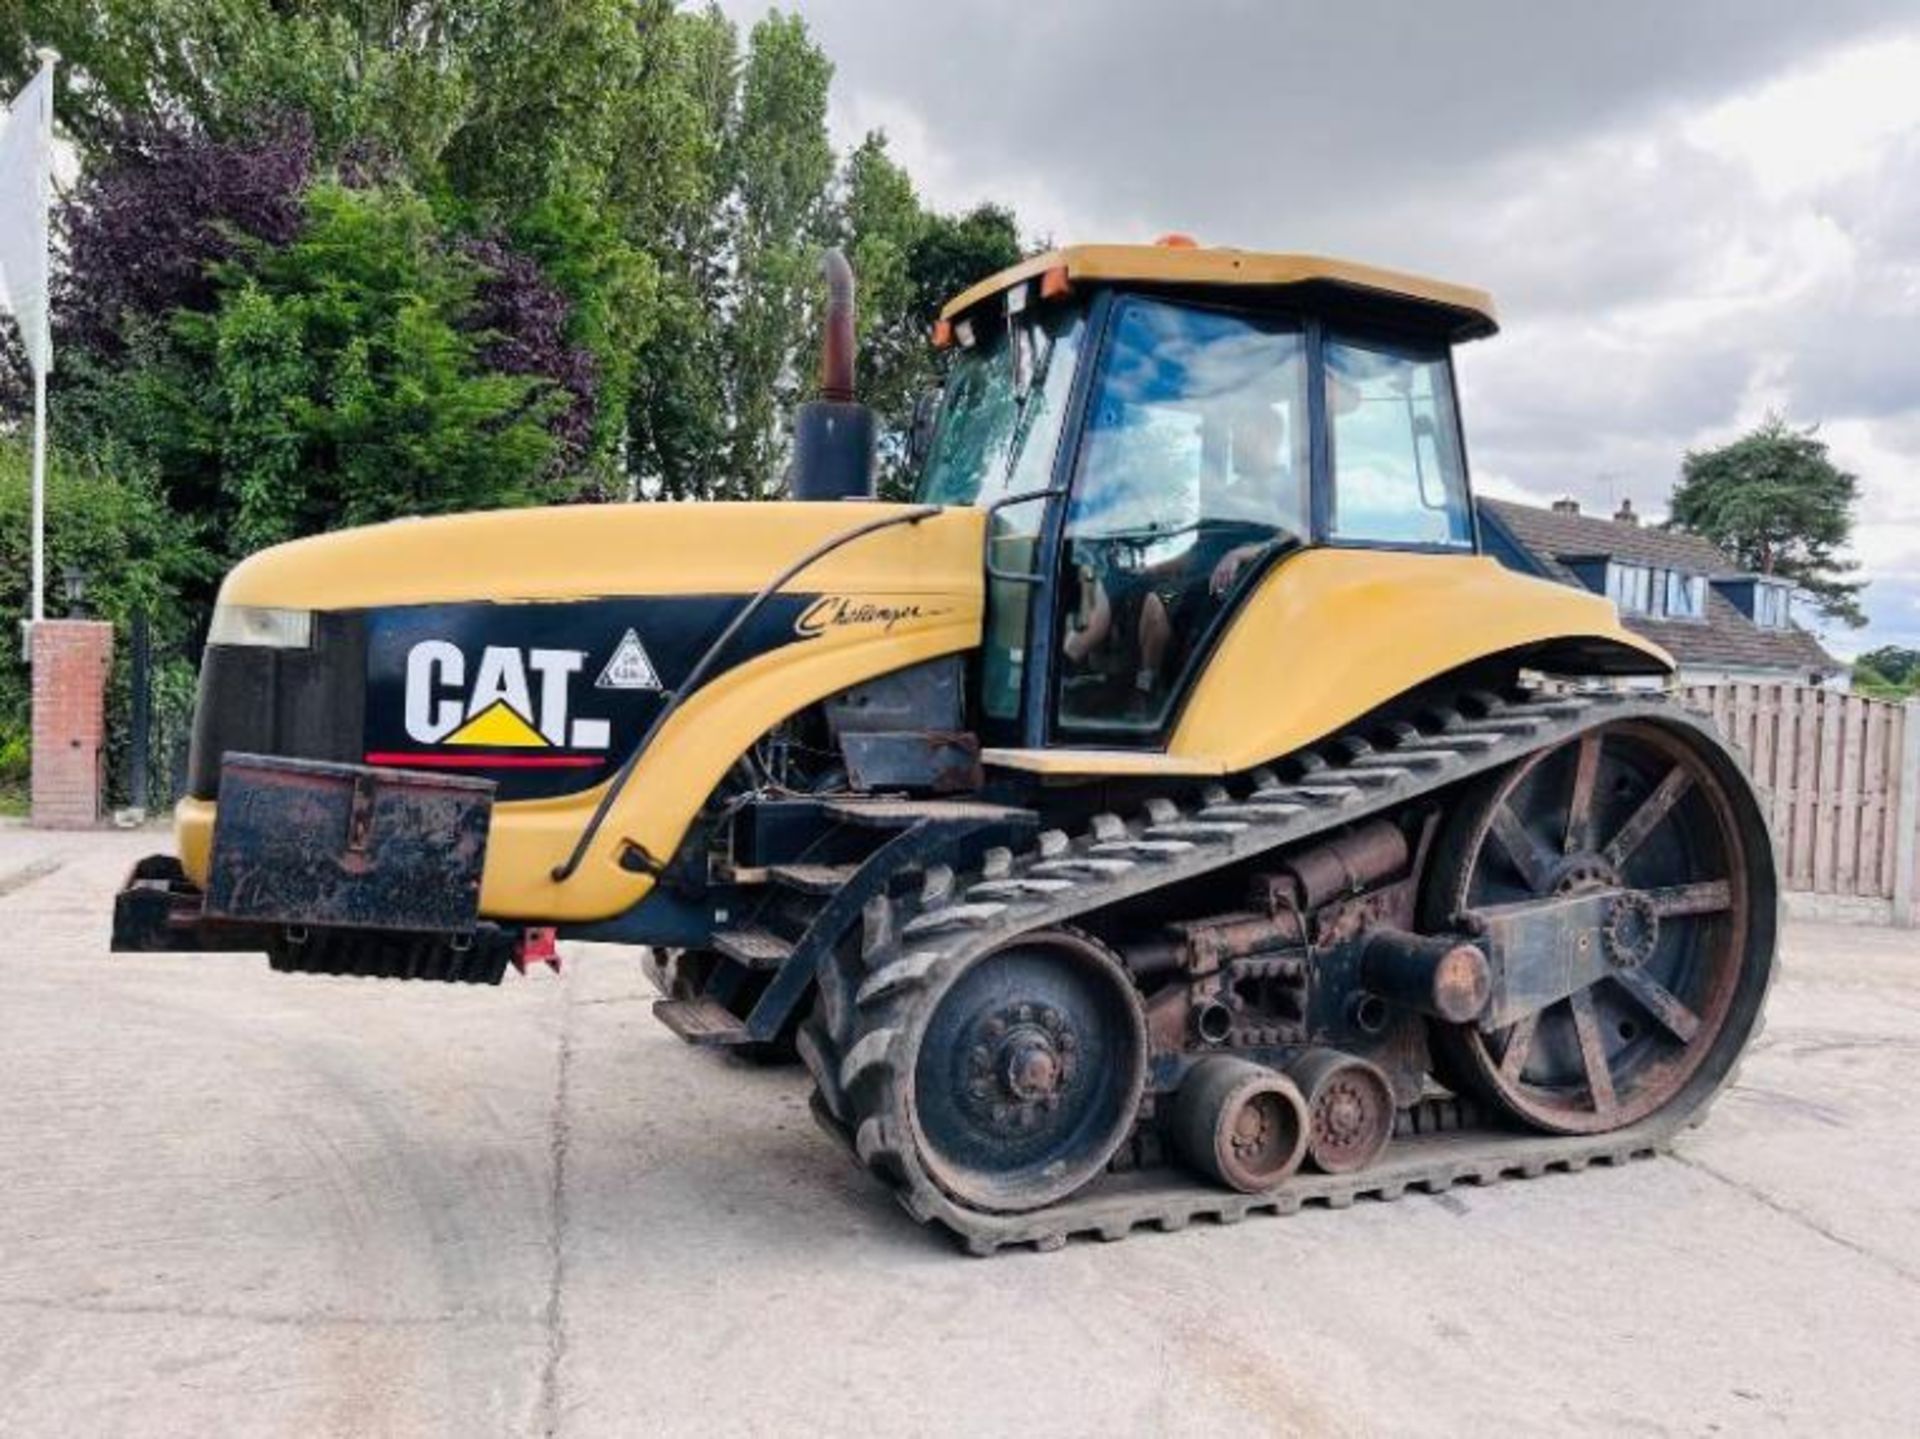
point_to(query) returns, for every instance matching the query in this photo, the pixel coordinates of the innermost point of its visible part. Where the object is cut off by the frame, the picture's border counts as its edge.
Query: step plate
(703, 1022)
(813, 878)
(755, 948)
(899, 813)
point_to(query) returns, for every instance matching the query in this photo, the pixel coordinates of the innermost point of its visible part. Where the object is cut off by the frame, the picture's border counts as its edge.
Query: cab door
(1193, 476)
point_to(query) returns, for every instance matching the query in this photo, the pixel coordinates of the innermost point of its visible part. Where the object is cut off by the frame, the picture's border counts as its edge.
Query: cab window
(1399, 477)
(1001, 412)
(1194, 471)
(1000, 422)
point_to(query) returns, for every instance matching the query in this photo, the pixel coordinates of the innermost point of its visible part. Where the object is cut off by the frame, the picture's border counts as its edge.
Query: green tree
(425, 255)
(1891, 671)
(1896, 663)
(395, 76)
(882, 223)
(676, 183)
(1774, 501)
(506, 126)
(909, 261)
(883, 226)
(679, 422)
(739, 256)
(334, 383)
(957, 250)
(784, 164)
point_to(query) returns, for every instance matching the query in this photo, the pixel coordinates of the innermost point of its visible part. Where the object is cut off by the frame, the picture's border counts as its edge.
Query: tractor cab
(1153, 430)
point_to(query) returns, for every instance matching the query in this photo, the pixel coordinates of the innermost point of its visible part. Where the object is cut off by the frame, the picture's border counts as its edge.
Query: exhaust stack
(836, 355)
(833, 435)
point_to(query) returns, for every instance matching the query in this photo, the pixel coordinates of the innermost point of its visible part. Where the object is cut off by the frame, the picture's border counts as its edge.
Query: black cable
(565, 871)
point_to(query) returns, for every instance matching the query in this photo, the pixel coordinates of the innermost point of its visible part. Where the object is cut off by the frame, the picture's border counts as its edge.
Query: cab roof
(1177, 263)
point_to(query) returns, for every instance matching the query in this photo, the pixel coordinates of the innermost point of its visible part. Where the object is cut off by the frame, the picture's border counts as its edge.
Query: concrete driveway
(232, 1201)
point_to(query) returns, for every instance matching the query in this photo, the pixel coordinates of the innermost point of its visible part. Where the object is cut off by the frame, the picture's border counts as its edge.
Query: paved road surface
(232, 1201)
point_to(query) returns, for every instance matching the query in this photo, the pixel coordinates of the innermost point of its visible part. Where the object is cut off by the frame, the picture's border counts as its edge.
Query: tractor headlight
(261, 626)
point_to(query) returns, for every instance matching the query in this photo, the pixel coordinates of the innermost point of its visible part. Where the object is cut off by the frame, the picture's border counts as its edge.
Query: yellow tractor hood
(590, 551)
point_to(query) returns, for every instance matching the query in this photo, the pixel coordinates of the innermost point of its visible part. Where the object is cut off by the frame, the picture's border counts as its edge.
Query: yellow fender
(1330, 634)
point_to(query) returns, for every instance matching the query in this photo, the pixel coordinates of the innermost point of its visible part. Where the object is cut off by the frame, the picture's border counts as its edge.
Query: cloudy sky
(1689, 213)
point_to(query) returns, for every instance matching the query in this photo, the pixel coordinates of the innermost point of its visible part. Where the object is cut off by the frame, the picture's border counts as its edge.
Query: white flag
(26, 185)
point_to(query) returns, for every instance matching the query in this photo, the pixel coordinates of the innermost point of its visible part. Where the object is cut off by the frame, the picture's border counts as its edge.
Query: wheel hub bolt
(1031, 1070)
(1250, 1128)
(1345, 1114)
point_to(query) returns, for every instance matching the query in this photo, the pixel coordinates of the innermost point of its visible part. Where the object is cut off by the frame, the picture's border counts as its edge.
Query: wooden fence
(1838, 775)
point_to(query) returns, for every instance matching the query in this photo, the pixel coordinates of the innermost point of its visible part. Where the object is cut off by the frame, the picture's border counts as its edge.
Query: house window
(1772, 605)
(1656, 593)
(1686, 596)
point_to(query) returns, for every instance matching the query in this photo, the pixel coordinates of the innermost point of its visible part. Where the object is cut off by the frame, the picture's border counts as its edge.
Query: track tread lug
(871, 1141)
(873, 1050)
(936, 887)
(876, 925)
(1201, 829)
(1332, 794)
(1146, 848)
(1024, 887)
(901, 974)
(954, 916)
(1258, 811)
(1085, 866)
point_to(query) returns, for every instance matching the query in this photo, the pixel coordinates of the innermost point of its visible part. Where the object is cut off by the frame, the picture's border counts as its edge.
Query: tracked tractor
(1170, 813)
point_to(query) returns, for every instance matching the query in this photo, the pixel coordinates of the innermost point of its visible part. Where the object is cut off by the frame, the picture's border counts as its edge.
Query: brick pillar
(70, 661)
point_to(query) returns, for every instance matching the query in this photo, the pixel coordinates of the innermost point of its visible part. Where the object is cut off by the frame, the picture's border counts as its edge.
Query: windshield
(991, 443)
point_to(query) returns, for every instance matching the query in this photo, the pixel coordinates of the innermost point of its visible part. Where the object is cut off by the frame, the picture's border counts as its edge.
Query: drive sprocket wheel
(1664, 821)
(1007, 1082)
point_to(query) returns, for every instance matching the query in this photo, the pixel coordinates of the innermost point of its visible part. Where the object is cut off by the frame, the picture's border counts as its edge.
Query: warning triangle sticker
(629, 669)
(501, 726)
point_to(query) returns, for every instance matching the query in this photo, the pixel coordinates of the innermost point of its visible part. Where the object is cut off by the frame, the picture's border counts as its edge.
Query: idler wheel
(1660, 817)
(1240, 1123)
(1349, 1109)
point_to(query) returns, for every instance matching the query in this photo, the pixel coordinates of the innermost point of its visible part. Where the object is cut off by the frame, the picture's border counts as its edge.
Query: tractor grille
(298, 704)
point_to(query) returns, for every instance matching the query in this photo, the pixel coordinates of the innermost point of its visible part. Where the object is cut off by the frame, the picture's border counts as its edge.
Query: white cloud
(1690, 214)
(1822, 123)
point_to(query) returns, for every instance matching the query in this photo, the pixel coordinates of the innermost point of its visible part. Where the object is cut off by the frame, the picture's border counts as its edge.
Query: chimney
(1566, 506)
(1625, 515)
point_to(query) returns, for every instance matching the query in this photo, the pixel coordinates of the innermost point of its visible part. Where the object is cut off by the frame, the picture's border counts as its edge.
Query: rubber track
(857, 1042)
(1166, 1200)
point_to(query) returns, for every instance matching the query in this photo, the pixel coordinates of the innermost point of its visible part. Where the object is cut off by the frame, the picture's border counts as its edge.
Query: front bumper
(330, 868)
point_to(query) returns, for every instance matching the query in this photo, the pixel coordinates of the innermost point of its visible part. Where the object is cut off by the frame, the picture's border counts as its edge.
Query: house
(1678, 590)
